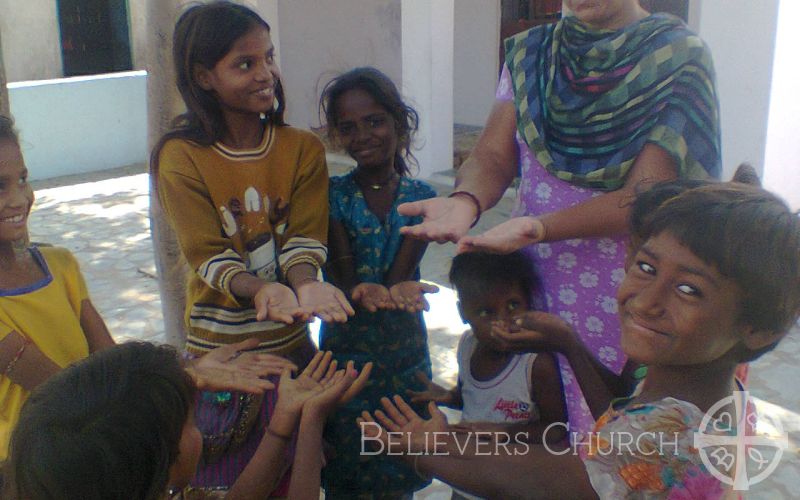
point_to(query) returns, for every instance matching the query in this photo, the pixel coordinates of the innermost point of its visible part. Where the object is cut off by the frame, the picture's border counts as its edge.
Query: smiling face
(480, 308)
(244, 80)
(366, 130)
(606, 14)
(16, 195)
(675, 309)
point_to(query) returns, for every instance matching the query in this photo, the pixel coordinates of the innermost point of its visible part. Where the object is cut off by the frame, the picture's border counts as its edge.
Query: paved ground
(103, 219)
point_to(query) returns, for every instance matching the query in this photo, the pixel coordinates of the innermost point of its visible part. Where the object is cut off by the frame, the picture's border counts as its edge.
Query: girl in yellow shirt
(46, 318)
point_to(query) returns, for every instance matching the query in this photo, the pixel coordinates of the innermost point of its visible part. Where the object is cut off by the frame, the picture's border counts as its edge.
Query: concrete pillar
(427, 33)
(163, 104)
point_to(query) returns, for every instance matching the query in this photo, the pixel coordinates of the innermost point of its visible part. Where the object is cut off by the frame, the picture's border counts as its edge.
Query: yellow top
(48, 313)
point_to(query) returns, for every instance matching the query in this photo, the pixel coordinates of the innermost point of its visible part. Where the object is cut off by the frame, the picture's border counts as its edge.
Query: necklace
(377, 186)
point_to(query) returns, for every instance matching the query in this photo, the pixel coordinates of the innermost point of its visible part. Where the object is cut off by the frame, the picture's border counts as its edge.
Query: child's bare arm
(305, 482)
(341, 261)
(233, 367)
(342, 272)
(539, 331)
(23, 362)
(406, 293)
(406, 261)
(547, 392)
(94, 327)
(317, 297)
(525, 471)
(262, 473)
(273, 301)
(436, 393)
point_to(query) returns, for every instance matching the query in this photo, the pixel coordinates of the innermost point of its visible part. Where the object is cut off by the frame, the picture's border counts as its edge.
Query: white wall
(319, 40)
(475, 59)
(428, 77)
(782, 174)
(741, 34)
(82, 124)
(31, 43)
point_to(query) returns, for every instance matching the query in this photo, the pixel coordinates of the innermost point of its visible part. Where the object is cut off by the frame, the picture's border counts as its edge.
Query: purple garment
(580, 277)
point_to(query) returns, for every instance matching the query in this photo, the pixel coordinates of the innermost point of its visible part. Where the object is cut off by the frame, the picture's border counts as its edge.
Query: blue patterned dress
(396, 341)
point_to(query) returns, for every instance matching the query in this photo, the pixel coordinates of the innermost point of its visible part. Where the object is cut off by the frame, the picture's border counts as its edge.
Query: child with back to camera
(377, 268)
(247, 198)
(498, 389)
(47, 319)
(119, 426)
(713, 281)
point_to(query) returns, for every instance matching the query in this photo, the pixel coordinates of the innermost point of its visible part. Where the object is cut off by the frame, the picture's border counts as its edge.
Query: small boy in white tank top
(514, 395)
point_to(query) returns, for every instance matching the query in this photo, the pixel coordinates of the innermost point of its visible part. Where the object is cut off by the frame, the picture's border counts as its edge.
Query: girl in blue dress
(377, 268)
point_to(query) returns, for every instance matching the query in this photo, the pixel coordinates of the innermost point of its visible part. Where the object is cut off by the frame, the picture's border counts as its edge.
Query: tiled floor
(103, 219)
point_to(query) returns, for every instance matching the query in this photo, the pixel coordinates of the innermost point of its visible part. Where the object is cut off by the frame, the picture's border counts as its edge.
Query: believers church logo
(730, 448)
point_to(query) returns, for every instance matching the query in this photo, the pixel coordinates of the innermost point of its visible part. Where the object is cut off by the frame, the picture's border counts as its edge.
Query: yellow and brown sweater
(260, 211)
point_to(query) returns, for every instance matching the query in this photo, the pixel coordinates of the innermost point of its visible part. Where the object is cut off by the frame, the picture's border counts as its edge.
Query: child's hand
(372, 296)
(294, 392)
(358, 384)
(399, 417)
(433, 392)
(535, 331)
(410, 295)
(277, 302)
(228, 368)
(324, 300)
(321, 404)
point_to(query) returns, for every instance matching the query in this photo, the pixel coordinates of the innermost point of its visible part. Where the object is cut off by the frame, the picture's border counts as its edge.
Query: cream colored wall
(31, 44)
(318, 40)
(741, 34)
(475, 55)
(783, 149)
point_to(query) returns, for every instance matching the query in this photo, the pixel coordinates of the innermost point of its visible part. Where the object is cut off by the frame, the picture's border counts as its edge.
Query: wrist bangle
(10, 365)
(541, 231)
(474, 200)
(278, 436)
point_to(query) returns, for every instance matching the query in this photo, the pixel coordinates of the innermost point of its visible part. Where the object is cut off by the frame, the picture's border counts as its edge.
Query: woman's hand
(433, 393)
(324, 300)
(410, 295)
(506, 237)
(372, 296)
(535, 331)
(277, 302)
(444, 219)
(398, 417)
(229, 368)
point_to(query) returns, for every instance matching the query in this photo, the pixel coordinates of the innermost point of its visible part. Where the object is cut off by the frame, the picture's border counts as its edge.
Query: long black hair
(381, 88)
(204, 34)
(106, 428)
